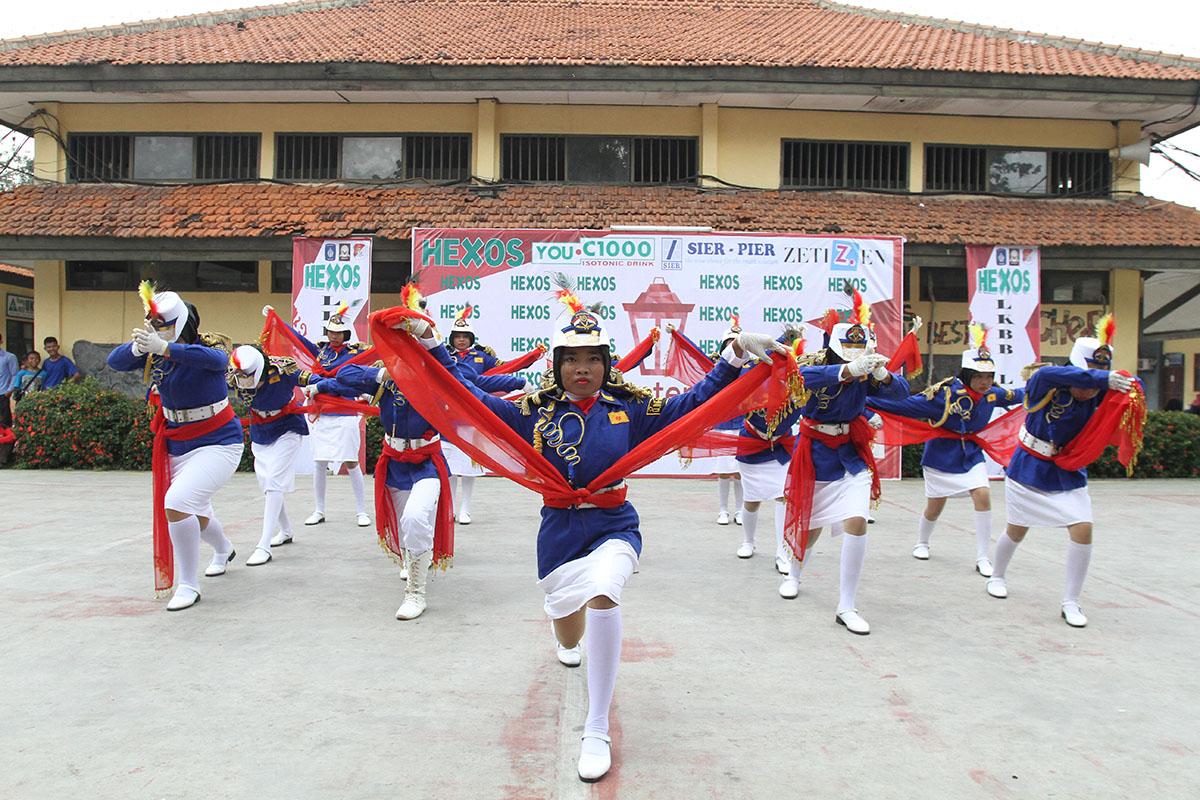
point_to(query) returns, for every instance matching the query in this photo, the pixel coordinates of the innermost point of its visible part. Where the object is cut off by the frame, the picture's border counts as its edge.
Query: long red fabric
(907, 357)
(519, 363)
(463, 419)
(998, 438)
(387, 525)
(160, 470)
(729, 443)
(332, 404)
(686, 362)
(639, 352)
(278, 339)
(1119, 420)
(802, 480)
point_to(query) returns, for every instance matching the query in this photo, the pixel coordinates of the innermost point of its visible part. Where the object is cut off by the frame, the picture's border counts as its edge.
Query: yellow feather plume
(978, 335)
(146, 292)
(1106, 329)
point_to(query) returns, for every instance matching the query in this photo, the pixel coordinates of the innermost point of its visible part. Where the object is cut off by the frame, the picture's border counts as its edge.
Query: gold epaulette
(489, 351)
(933, 389)
(218, 340)
(356, 347)
(547, 394)
(285, 365)
(1027, 371)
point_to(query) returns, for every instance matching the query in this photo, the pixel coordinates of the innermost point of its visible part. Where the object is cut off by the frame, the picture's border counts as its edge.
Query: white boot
(595, 757)
(414, 593)
(403, 565)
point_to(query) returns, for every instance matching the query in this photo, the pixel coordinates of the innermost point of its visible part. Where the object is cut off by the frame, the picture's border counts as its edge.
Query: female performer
(267, 385)
(954, 467)
(583, 421)
(1041, 488)
(476, 359)
(832, 478)
(203, 438)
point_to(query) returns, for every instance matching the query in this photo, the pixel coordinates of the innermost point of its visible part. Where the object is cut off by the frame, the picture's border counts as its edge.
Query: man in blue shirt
(58, 368)
(8, 375)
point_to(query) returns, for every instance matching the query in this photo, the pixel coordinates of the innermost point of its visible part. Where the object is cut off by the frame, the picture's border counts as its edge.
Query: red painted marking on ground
(889, 676)
(90, 607)
(1178, 748)
(914, 724)
(633, 649)
(854, 651)
(608, 787)
(1028, 659)
(1058, 646)
(1095, 762)
(988, 781)
(531, 739)
(1162, 602)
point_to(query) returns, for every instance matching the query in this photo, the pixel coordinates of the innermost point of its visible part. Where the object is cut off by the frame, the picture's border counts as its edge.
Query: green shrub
(1170, 449)
(77, 425)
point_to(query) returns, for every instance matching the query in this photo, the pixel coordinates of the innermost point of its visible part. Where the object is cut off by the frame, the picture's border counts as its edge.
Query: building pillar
(47, 303)
(487, 140)
(1125, 289)
(266, 154)
(709, 142)
(49, 160)
(916, 166)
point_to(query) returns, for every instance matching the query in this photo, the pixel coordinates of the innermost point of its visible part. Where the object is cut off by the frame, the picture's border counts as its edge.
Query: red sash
(600, 499)
(160, 469)
(802, 476)
(1119, 421)
(386, 524)
(998, 438)
(291, 409)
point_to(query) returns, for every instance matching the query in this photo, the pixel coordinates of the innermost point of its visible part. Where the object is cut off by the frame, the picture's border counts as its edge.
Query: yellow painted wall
(6, 289)
(1191, 352)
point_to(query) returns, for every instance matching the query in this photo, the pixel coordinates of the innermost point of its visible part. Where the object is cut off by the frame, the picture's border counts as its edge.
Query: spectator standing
(8, 378)
(29, 377)
(58, 368)
(1194, 408)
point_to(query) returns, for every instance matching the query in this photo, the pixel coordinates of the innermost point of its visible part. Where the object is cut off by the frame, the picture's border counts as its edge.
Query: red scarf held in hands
(278, 339)
(160, 469)
(639, 352)
(462, 419)
(730, 443)
(519, 363)
(802, 475)
(907, 357)
(998, 438)
(1119, 420)
(386, 523)
(686, 362)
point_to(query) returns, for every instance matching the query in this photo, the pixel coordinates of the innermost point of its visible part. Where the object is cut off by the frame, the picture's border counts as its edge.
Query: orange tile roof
(274, 210)
(13, 269)
(686, 33)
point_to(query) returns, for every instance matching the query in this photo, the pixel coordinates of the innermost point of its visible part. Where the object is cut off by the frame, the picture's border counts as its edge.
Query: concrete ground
(294, 680)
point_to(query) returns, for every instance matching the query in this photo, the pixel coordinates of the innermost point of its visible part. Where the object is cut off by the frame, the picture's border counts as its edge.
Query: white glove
(134, 344)
(916, 325)
(1119, 382)
(880, 373)
(382, 375)
(529, 388)
(875, 422)
(309, 391)
(267, 308)
(148, 341)
(866, 364)
(759, 345)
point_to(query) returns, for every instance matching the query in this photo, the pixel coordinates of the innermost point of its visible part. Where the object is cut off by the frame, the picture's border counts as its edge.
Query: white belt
(620, 485)
(409, 444)
(831, 428)
(183, 415)
(1039, 446)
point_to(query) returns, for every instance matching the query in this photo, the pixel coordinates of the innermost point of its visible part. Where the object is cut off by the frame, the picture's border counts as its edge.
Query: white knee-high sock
(737, 493)
(285, 524)
(781, 549)
(925, 529)
(723, 488)
(213, 535)
(854, 553)
(603, 637)
(1078, 558)
(749, 524)
(356, 483)
(272, 508)
(983, 533)
(320, 475)
(468, 486)
(1005, 547)
(185, 539)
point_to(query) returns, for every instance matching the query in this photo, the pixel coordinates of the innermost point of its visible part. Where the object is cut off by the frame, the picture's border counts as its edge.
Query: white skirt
(275, 463)
(845, 498)
(604, 571)
(764, 481)
(335, 438)
(459, 462)
(726, 465)
(954, 484)
(197, 475)
(1033, 508)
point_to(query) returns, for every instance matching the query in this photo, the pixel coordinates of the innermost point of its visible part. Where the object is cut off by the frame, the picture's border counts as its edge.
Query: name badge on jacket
(617, 417)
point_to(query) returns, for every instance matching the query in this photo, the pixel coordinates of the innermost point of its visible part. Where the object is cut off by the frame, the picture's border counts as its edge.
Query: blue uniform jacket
(588, 444)
(328, 356)
(277, 391)
(189, 376)
(952, 409)
(1055, 416)
(399, 419)
(832, 401)
(475, 359)
(776, 452)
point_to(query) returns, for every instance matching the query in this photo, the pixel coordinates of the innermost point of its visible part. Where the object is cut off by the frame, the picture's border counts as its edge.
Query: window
(325, 157)
(943, 284)
(179, 276)
(387, 277)
(996, 170)
(105, 157)
(845, 165)
(599, 159)
(1074, 286)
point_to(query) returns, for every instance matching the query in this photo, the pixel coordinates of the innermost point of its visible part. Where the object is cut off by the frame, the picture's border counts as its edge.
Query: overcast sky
(1172, 26)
